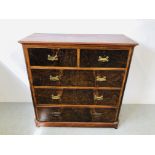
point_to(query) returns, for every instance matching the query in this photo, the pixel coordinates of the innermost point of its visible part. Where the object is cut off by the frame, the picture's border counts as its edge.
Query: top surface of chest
(96, 39)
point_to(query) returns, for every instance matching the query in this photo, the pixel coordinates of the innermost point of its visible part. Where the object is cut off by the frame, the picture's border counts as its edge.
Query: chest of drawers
(77, 79)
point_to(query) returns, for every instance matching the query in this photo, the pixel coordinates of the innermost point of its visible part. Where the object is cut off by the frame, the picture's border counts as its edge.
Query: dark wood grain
(77, 78)
(103, 115)
(76, 115)
(117, 58)
(39, 56)
(77, 97)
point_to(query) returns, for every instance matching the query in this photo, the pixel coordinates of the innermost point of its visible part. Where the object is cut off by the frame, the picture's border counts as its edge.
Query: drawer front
(76, 115)
(103, 58)
(77, 78)
(77, 96)
(105, 115)
(109, 78)
(52, 57)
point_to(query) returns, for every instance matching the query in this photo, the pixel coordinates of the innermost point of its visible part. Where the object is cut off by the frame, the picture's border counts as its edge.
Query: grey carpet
(18, 119)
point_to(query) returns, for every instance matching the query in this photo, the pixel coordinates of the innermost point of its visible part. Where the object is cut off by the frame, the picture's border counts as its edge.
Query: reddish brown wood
(78, 57)
(75, 68)
(79, 70)
(104, 39)
(76, 46)
(77, 124)
(77, 87)
(77, 106)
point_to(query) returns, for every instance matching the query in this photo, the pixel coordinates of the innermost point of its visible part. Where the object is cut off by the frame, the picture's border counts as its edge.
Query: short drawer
(103, 58)
(42, 77)
(76, 115)
(77, 96)
(52, 57)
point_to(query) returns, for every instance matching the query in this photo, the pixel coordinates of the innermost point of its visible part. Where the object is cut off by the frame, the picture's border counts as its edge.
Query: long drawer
(76, 115)
(77, 96)
(88, 78)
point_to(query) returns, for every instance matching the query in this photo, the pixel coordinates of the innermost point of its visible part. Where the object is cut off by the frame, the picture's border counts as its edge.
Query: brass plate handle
(55, 97)
(52, 58)
(54, 78)
(103, 59)
(101, 78)
(98, 98)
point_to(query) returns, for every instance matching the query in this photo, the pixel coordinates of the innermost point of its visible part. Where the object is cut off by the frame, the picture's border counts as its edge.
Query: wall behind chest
(140, 86)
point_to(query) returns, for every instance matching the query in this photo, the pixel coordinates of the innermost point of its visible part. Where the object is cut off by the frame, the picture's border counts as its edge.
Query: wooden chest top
(96, 39)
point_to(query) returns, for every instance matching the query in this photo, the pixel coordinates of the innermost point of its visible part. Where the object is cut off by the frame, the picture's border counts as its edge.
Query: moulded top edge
(79, 39)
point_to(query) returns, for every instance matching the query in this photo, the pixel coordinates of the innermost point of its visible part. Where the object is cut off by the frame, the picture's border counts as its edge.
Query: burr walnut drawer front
(103, 58)
(76, 115)
(52, 57)
(77, 96)
(106, 78)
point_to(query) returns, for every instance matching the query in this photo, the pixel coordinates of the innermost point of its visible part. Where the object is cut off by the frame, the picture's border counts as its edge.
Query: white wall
(13, 78)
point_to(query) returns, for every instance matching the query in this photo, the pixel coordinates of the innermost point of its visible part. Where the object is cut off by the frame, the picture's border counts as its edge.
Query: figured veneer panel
(76, 115)
(113, 78)
(103, 115)
(42, 77)
(67, 96)
(61, 57)
(66, 115)
(67, 78)
(110, 97)
(77, 96)
(113, 58)
(77, 78)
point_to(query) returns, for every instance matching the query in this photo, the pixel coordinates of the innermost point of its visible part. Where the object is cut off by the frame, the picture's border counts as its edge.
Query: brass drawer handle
(55, 78)
(56, 113)
(55, 97)
(103, 59)
(98, 98)
(52, 58)
(97, 114)
(99, 78)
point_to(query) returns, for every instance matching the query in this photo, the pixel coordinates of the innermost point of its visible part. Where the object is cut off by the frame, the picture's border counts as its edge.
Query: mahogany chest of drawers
(77, 79)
